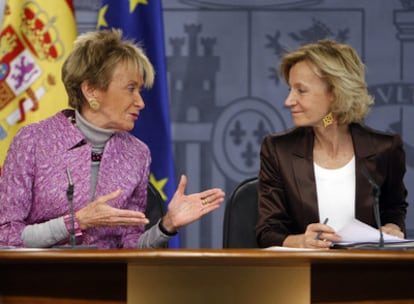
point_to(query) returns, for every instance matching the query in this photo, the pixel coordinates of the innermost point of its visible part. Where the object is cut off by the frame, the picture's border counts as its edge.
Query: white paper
(358, 232)
(280, 248)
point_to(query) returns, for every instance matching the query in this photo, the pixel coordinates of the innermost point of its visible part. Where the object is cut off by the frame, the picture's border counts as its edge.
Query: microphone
(72, 234)
(376, 191)
(69, 195)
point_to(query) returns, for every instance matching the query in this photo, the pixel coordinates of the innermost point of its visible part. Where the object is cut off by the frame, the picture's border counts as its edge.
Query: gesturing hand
(185, 209)
(99, 213)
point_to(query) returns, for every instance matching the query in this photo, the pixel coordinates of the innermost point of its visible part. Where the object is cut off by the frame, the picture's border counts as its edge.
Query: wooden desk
(205, 276)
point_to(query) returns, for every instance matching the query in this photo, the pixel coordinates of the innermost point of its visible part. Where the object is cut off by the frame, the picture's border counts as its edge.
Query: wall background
(225, 93)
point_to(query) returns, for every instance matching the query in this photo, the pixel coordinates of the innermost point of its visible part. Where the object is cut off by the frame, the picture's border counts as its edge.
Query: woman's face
(309, 99)
(121, 103)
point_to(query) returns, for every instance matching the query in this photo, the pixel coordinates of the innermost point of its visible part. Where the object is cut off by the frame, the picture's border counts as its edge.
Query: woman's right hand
(99, 214)
(317, 236)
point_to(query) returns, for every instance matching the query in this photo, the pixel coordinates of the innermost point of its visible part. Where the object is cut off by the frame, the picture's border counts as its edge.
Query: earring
(328, 120)
(94, 104)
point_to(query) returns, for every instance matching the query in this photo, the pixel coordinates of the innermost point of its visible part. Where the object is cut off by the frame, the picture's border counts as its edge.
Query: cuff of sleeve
(68, 223)
(165, 231)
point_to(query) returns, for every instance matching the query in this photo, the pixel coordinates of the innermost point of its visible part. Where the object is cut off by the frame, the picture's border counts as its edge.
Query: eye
(300, 90)
(297, 89)
(131, 88)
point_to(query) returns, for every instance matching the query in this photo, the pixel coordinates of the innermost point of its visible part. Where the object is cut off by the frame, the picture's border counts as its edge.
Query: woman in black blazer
(319, 169)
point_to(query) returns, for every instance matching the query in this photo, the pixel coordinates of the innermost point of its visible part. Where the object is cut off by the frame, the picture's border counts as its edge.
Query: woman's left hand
(392, 229)
(185, 209)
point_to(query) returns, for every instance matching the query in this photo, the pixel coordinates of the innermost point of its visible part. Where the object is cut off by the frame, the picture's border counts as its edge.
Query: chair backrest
(155, 206)
(240, 216)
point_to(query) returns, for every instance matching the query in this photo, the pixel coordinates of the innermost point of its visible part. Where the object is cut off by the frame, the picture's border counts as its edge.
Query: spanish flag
(36, 36)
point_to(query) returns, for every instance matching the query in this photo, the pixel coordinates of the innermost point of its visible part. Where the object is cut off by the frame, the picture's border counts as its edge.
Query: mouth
(134, 116)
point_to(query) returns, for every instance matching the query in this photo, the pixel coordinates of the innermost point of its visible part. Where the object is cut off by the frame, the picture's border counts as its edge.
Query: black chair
(240, 216)
(155, 206)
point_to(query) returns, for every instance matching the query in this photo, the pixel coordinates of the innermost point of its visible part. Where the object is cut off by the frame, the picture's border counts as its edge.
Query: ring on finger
(204, 201)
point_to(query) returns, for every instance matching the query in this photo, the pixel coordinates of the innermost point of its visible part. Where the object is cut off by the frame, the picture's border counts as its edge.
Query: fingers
(311, 242)
(108, 197)
(211, 200)
(212, 197)
(208, 197)
(393, 232)
(324, 240)
(320, 236)
(119, 213)
(208, 208)
(182, 185)
(116, 217)
(392, 229)
(214, 193)
(125, 213)
(124, 221)
(323, 244)
(316, 227)
(99, 213)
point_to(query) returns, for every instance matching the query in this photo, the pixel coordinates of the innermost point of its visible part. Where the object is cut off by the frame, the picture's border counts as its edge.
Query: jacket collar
(363, 145)
(302, 152)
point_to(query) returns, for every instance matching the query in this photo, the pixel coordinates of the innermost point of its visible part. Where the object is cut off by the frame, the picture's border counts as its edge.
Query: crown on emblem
(39, 32)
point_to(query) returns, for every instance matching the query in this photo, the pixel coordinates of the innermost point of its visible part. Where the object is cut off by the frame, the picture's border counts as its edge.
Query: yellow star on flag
(133, 4)
(159, 185)
(101, 17)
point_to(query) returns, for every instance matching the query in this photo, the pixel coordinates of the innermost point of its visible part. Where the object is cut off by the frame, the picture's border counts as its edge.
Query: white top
(336, 194)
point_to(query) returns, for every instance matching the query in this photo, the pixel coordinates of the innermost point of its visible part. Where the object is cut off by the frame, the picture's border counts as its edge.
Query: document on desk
(357, 233)
(280, 248)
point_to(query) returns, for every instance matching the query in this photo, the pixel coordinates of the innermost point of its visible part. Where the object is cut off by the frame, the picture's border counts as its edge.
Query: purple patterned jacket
(34, 182)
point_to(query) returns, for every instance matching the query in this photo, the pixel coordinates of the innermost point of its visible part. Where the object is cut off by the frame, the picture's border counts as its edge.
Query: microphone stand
(376, 194)
(376, 191)
(72, 235)
(69, 195)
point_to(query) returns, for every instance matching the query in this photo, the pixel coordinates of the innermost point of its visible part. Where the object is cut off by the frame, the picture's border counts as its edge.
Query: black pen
(320, 232)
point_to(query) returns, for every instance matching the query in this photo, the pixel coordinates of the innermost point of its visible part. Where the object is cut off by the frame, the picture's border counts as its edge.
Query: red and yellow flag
(36, 36)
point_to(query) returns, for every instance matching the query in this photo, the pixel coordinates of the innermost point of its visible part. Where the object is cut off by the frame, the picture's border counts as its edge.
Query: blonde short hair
(94, 58)
(340, 66)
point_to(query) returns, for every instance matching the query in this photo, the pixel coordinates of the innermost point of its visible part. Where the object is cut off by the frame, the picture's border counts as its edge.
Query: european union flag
(141, 20)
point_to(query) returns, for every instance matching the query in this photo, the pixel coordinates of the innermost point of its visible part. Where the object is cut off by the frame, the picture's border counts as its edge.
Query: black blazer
(287, 188)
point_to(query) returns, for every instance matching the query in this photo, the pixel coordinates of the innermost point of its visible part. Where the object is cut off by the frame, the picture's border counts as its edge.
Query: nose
(139, 102)
(290, 100)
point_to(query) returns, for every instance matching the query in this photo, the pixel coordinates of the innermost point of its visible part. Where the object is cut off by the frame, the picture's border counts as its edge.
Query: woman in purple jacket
(103, 77)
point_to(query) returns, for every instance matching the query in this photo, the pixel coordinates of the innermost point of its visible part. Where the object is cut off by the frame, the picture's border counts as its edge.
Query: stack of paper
(357, 234)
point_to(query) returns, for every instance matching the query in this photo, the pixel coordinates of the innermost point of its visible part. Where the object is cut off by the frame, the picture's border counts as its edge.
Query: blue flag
(141, 20)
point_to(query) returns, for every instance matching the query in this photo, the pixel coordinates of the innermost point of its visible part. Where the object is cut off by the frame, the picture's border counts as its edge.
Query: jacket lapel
(302, 156)
(365, 157)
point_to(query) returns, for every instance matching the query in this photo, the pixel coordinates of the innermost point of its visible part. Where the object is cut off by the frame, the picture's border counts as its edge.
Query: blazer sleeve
(274, 223)
(393, 204)
(16, 188)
